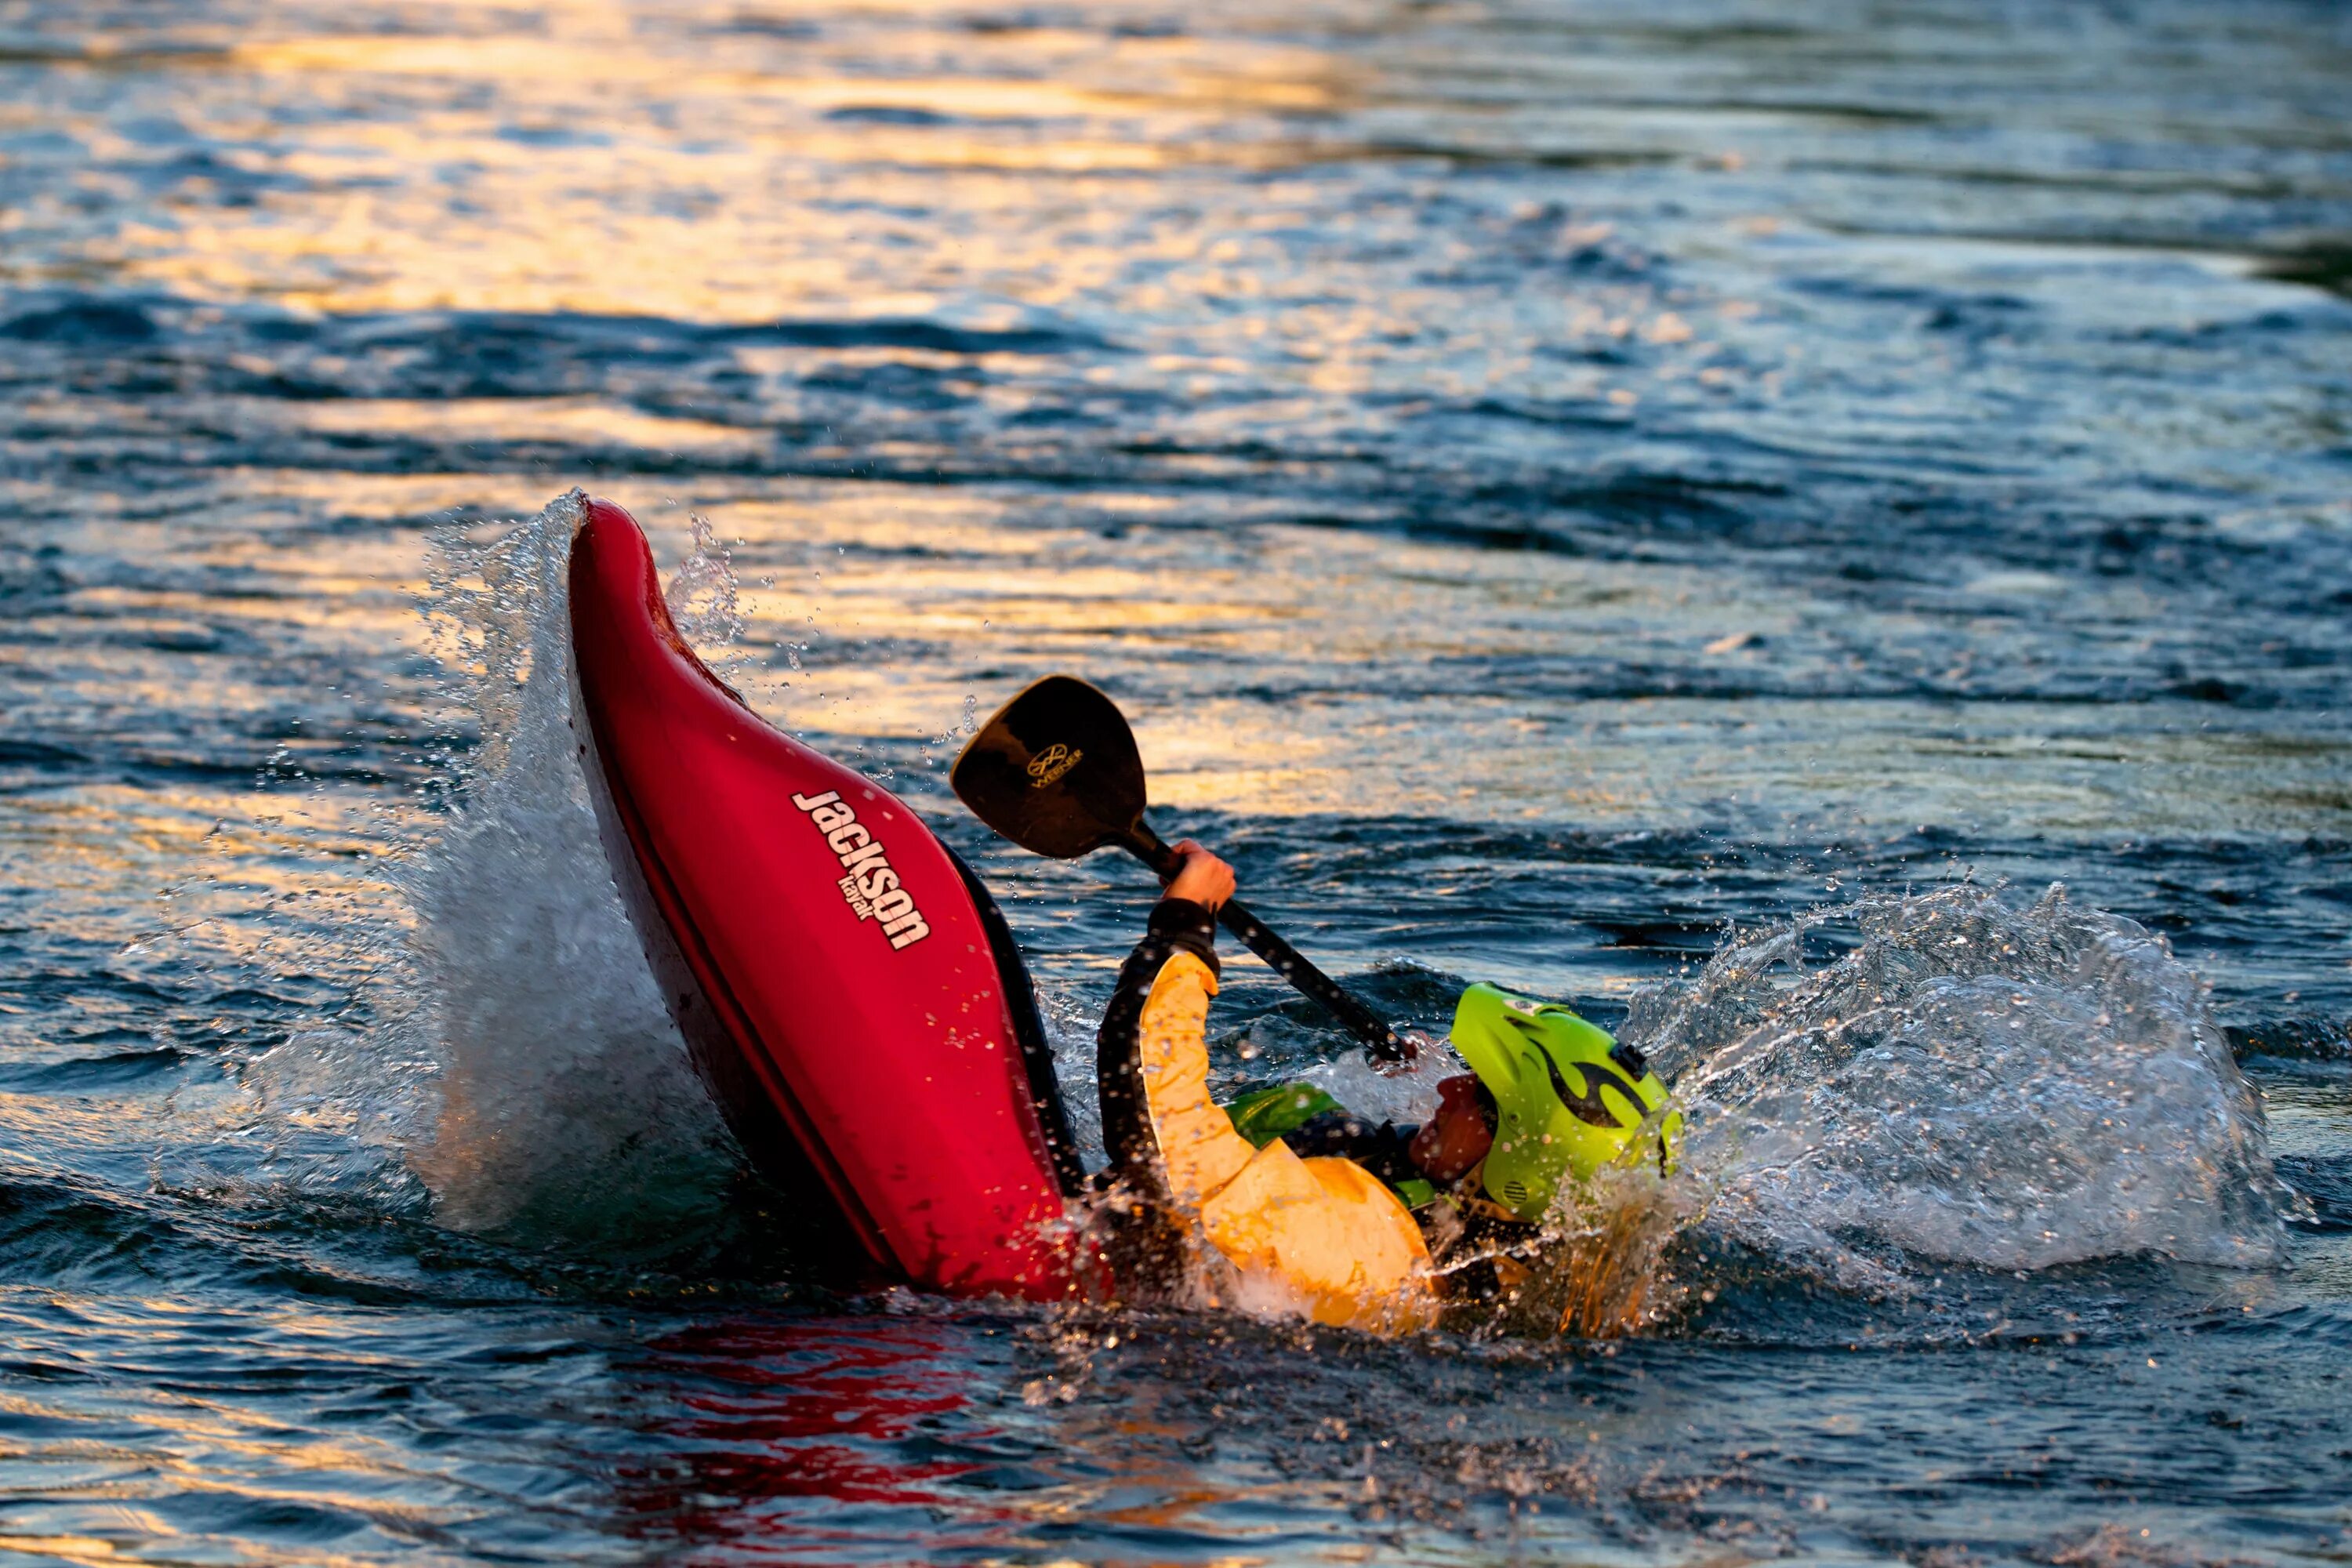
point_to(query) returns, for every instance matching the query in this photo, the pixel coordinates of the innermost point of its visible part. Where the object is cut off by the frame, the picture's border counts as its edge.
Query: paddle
(1058, 772)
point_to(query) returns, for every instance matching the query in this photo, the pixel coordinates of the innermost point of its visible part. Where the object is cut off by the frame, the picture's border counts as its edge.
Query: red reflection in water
(772, 1418)
(818, 1382)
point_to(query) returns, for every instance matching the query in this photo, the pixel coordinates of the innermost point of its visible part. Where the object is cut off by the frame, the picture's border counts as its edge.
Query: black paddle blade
(1056, 771)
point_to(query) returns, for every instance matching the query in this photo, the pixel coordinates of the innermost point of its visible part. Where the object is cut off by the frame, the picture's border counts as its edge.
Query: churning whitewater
(1954, 1076)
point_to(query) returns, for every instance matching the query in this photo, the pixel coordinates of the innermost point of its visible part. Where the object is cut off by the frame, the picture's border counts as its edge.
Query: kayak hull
(823, 954)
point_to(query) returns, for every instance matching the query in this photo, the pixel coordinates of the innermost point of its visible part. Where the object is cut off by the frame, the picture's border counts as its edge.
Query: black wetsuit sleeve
(1177, 925)
(1385, 1151)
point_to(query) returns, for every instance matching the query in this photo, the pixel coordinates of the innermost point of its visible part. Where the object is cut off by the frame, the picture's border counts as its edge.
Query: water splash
(1970, 1082)
(702, 595)
(509, 1064)
(567, 1104)
(1958, 1079)
(1966, 1081)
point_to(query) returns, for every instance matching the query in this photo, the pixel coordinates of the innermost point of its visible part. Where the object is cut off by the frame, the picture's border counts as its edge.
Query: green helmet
(1568, 1097)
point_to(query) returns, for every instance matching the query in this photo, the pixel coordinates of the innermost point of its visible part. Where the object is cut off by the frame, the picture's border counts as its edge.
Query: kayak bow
(849, 991)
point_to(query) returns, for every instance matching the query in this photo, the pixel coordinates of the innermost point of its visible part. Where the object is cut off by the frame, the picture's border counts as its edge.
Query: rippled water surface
(1709, 510)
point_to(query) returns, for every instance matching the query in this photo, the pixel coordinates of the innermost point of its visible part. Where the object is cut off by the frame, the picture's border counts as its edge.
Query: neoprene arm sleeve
(1177, 925)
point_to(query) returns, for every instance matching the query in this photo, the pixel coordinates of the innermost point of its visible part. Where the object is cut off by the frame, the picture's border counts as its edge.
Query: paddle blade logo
(1048, 765)
(871, 889)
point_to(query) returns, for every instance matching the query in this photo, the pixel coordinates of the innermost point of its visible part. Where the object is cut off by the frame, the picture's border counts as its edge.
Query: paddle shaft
(1382, 1043)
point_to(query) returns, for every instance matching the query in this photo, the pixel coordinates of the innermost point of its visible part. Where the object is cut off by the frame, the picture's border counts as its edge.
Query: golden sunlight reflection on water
(743, 173)
(1547, 480)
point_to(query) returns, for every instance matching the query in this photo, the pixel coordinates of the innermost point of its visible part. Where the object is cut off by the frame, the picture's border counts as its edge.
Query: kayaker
(1302, 1205)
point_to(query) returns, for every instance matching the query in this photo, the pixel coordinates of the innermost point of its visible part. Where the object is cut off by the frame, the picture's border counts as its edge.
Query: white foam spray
(1971, 1081)
(1968, 1079)
(567, 1103)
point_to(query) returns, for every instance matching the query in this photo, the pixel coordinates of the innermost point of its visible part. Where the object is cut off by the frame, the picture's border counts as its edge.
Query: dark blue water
(1565, 491)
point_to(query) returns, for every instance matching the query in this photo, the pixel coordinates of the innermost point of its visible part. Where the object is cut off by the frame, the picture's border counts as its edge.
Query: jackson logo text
(871, 888)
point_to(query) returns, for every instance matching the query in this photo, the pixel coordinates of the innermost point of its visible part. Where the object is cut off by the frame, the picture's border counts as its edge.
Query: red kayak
(848, 989)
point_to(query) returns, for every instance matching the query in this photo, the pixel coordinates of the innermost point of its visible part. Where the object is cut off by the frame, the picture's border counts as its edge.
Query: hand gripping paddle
(1058, 772)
